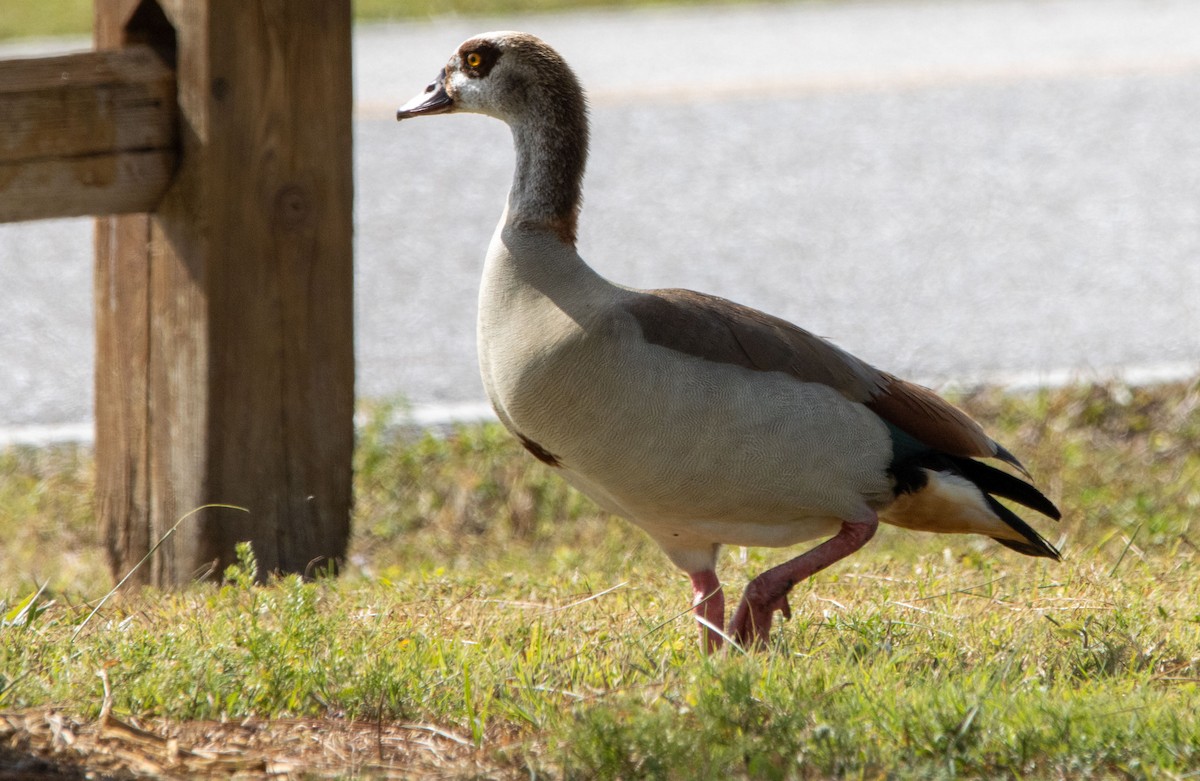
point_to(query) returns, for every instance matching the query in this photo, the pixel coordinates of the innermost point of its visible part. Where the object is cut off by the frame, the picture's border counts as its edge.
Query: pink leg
(768, 592)
(708, 603)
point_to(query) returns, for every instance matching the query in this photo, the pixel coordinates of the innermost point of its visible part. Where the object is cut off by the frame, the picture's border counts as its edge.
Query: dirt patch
(48, 745)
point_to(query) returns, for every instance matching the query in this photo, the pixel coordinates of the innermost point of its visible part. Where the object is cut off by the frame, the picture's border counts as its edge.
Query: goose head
(519, 79)
(511, 76)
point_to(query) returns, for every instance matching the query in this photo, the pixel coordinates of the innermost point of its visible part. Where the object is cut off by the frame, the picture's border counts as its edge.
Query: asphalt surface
(995, 191)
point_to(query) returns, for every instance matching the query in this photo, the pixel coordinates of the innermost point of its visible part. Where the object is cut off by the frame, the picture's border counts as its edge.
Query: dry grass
(48, 744)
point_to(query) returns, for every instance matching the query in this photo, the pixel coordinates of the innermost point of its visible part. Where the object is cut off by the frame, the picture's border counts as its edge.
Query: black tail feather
(1034, 543)
(993, 481)
(1004, 455)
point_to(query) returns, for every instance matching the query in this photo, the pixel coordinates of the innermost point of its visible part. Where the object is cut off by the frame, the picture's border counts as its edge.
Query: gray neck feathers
(551, 151)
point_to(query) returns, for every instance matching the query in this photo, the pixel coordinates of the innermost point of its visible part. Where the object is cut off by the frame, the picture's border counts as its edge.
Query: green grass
(487, 601)
(42, 18)
(38, 18)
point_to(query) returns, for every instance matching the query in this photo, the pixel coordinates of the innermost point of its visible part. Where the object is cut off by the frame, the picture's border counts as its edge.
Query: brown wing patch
(716, 329)
(931, 419)
(685, 321)
(539, 452)
(719, 330)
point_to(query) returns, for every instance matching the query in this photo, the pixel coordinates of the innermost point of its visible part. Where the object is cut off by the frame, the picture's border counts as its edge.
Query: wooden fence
(212, 140)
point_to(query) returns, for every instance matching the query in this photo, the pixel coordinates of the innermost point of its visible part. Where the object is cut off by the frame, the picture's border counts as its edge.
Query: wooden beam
(92, 133)
(225, 363)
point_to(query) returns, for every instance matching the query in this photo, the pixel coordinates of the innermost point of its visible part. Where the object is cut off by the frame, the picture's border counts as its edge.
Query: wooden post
(225, 363)
(92, 133)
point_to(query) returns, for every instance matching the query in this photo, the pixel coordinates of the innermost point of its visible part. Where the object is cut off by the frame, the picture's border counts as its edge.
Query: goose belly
(684, 446)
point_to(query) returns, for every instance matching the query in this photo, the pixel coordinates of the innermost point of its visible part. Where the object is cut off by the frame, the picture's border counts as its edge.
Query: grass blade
(166, 536)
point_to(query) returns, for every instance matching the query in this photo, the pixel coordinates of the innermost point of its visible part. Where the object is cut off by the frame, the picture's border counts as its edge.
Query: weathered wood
(225, 362)
(91, 133)
(122, 288)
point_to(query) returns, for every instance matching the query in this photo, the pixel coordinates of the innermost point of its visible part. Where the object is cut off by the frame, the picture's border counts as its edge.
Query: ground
(491, 623)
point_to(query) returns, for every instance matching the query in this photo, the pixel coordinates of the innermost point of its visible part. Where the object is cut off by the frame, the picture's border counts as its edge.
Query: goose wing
(720, 330)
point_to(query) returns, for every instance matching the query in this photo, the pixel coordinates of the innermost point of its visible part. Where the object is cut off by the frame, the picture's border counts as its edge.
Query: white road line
(430, 416)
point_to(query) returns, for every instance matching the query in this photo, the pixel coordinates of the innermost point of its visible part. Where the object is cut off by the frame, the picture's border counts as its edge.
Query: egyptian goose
(704, 422)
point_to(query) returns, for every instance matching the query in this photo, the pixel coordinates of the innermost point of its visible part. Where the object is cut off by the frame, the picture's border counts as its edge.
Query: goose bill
(433, 100)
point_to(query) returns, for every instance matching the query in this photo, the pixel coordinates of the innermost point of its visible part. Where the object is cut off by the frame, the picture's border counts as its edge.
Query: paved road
(1004, 190)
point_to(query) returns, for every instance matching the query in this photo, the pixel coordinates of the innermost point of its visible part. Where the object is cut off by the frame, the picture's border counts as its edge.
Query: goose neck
(551, 152)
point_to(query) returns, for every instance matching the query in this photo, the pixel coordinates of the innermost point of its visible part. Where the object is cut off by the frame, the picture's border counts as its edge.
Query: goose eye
(474, 60)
